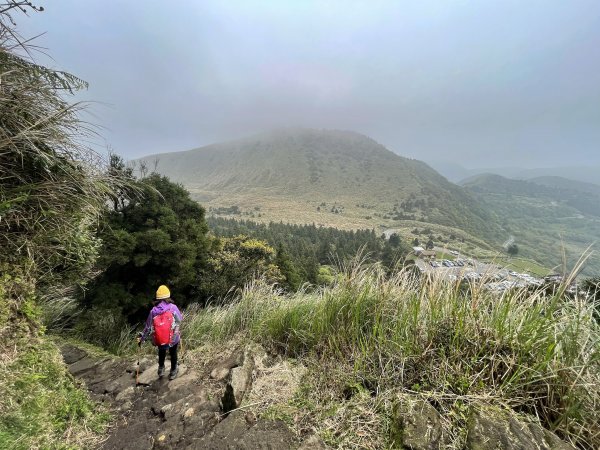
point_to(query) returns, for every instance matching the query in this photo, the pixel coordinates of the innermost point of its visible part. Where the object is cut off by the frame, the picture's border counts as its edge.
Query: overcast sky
(481, 83)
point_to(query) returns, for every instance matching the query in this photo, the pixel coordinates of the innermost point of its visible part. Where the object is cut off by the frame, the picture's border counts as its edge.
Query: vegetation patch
(42, 406)
(527, 352)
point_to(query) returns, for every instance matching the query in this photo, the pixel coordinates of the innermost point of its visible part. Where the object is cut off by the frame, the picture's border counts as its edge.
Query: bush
(107, 328)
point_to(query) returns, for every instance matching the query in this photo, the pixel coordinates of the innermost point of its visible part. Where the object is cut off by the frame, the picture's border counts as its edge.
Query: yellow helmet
(163, 293)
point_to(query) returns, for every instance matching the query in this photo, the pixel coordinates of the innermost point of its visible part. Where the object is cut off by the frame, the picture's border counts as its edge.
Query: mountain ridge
(347, 171)
(577, 174)
(546, 221)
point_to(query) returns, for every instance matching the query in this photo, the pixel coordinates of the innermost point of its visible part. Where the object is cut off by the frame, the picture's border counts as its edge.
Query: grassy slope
(41, 406)
(369, 340)
(44, 407)
(544, 221)
(565, 183)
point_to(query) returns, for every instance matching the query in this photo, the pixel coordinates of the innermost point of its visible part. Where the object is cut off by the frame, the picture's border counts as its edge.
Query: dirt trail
(190, 412)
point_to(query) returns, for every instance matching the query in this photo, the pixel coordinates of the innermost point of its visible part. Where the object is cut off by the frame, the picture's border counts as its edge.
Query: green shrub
(108, 329)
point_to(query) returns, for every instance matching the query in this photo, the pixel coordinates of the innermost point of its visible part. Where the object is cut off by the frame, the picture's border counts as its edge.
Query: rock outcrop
(418, 426)
(206, 411)
(490, 429)
(161, 414)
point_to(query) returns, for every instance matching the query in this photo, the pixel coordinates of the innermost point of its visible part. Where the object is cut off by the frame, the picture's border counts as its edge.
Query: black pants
(162, 353)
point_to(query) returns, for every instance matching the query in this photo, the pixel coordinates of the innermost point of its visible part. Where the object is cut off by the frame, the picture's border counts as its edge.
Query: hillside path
(189, 412)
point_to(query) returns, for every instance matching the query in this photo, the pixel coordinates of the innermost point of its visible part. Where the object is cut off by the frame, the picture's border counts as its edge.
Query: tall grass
(525, 350)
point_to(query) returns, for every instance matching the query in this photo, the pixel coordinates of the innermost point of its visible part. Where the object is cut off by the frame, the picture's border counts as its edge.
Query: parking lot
(493, 276)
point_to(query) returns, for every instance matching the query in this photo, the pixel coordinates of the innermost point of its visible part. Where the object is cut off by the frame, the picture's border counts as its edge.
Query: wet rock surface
(157, 413)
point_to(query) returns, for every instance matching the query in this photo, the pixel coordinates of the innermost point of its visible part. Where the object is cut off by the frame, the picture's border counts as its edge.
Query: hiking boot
(161, 371)
(173, 373)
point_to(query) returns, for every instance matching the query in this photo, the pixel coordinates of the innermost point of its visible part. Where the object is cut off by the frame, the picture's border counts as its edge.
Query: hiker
(163, 324)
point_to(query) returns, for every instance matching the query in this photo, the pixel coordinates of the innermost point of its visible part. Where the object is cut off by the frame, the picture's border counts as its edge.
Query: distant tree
(394, 240)
(235, 261)
(430, 244)
(324, 276)
(291, 279)
(513, 249)
(325, 251)
(308, 246)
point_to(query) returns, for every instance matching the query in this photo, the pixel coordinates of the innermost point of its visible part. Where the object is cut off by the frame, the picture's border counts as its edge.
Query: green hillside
(545, 219)
(336, 178)
(582, 197)
(566, 183)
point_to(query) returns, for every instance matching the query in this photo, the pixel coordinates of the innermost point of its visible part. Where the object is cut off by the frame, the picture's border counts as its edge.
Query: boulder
(150, 375)
(125, 394)
(183, 379)
(185, 421)
(72, 354)
(144, 364)
(491, 429)
(235, 433)
(221, 370)
(417, 425)
(125, 407)
(118, 385)
(83, 365)
(240, 382)
(219, 373)
(197, 401)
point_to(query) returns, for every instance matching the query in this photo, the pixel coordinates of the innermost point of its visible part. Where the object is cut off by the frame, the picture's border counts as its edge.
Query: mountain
(568, 184)
(458, 173)
(329, 177)
(546, 217)
(585, 174)
(582, 197)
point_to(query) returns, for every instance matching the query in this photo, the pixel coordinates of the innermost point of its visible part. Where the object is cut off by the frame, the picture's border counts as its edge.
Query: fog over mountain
(486, 84)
